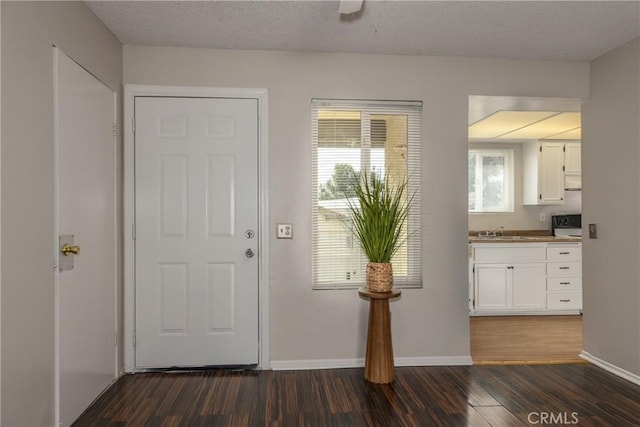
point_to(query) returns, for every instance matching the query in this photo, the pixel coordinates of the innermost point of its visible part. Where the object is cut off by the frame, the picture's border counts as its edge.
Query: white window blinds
(350, 137)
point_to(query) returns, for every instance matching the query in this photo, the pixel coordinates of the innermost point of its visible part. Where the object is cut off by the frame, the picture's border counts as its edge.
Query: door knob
(69, 249)
(249, 253)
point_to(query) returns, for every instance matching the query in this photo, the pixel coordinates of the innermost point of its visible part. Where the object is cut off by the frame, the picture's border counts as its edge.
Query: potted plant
(377, 221)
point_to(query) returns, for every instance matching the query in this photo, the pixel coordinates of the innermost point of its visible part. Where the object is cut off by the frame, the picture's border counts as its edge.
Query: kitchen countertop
(520, 236)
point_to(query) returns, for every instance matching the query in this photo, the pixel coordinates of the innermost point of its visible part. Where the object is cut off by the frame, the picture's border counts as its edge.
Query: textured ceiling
(548, 30)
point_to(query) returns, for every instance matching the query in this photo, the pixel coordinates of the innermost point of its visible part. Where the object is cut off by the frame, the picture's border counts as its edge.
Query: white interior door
(196, 239)
(85, 208)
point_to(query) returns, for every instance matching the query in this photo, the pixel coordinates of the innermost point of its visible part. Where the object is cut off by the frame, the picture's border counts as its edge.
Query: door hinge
(133, 232)
(134, 338)
(541, 148)
(115, 129)
(133, 124)
(540, 195)
(562, 168)
(115, 339)
(564, 149)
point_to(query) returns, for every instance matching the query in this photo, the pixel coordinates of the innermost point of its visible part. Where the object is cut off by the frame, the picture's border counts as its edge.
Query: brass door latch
(69, 249)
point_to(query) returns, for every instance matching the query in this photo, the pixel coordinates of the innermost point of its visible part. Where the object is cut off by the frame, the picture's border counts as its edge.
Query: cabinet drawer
(508, 254)
(564, 253)
(564, 301)
(564, 284)
(564, 269)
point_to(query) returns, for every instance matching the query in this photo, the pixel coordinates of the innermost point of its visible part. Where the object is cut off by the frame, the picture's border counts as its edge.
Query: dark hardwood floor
(516, 395)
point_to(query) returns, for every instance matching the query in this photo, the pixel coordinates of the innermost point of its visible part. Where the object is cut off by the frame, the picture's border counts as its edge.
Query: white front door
(85, 208)
(196, 238)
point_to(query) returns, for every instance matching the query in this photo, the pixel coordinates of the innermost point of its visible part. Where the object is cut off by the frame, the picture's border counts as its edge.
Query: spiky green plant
(380, 215)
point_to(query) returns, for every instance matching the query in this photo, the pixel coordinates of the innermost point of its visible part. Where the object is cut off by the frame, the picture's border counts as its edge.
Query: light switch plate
(285, 231)
(593, 231)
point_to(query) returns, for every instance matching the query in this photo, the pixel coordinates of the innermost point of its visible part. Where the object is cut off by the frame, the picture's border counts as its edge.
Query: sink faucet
(493, 231)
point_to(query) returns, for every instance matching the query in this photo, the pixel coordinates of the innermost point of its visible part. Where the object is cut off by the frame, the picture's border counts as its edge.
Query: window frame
(413, 111)
(509, 181)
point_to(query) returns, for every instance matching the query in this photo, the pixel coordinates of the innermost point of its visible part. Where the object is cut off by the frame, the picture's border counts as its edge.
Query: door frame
(131, 91)
(56, 229)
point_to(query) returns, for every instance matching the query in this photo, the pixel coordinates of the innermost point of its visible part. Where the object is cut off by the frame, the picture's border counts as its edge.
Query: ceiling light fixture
(505, 125)
(553, 125)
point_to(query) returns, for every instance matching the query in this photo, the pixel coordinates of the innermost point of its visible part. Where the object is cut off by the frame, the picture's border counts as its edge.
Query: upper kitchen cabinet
(543, 173)
(572, 166)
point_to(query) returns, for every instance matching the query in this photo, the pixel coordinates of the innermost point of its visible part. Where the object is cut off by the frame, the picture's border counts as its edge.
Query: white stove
(567, 225)
(567, 232)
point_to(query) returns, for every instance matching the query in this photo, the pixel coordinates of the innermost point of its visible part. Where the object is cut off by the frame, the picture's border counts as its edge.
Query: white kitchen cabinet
(510, 286)
(508, 277)
(525, 278)
(572, 165)
(543, 173)
(529, 290)
(564, 276)
(492, 286)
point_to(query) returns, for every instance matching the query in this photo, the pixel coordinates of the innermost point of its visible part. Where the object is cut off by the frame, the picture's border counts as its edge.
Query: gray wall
(29, 29)
(610, 159)
(523, 217)
(307, 324)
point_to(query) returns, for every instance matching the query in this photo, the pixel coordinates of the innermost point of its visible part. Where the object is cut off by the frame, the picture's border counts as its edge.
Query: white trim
(130, 92)
(0, 218)
(515, 312)
(56, 232)
(434, 361)
(306, 364)
(116, 249)
(611, 368)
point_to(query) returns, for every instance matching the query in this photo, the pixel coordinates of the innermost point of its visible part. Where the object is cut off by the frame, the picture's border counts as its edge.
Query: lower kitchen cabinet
(529, 290)
(525, 278)
(492, 286)
(564, 276)
(509, 286)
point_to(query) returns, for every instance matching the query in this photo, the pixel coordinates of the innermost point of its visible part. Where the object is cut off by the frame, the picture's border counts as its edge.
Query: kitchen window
(491, 180)
(350, 137)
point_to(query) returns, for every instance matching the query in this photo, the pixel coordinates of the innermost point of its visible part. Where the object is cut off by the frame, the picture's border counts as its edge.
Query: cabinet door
(572, 158)
(551, 174)
(529, 286)
(492, 287)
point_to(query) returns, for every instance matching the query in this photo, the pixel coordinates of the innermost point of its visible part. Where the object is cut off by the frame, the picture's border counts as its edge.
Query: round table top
(364, 292)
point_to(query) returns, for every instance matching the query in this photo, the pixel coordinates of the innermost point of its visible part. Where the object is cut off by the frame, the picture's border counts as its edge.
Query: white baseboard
(292, 365)
(434, 361)
(615, 370)
(304, 364)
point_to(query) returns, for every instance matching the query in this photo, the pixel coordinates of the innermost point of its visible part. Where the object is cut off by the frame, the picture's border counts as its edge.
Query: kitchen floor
(526, 339)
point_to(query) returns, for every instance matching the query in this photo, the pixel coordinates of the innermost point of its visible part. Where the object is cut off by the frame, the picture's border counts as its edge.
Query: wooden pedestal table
(378, 365)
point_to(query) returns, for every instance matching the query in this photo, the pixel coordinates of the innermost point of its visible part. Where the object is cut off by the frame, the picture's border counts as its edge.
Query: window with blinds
(350, 137)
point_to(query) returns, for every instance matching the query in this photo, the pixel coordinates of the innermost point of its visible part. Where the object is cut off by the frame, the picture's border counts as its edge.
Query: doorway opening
(524, 170)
